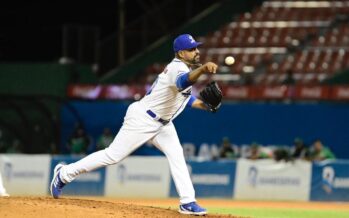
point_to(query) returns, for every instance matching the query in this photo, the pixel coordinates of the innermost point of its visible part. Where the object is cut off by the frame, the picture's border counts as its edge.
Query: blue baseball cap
(185, 42)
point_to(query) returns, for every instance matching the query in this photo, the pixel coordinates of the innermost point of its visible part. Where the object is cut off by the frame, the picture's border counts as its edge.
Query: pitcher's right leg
(124, 143)
(137, 129)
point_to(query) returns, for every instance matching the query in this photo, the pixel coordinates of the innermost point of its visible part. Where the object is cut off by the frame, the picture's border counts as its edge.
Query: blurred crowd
(81, 143)
(316, 151)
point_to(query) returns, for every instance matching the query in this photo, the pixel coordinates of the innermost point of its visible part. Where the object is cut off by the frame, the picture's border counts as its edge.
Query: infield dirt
(30, 207)
(88, 207)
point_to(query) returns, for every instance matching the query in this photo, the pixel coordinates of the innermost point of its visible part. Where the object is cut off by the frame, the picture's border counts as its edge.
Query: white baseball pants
(138, 128)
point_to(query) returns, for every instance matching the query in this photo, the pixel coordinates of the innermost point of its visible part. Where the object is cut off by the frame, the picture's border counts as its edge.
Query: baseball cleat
(192, 208)
(56, 183)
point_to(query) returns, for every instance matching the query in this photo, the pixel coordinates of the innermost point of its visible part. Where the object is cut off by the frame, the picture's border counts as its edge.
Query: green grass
(280, 213)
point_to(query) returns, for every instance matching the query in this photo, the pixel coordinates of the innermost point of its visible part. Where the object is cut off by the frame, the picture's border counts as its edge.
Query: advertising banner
(330, 181)
(91, 183)
(335, 92)
(210, 178)
(311, 92)
(273, 92)
(25, 174)
(270, 180)
(138, 177)
(238, 92)
(340, 92)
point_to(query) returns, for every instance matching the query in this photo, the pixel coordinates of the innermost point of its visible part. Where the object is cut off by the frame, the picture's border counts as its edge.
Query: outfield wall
(149, 177)
(243, 123)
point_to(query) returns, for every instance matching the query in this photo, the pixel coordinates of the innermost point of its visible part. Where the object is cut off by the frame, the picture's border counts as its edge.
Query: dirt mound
(28, 207)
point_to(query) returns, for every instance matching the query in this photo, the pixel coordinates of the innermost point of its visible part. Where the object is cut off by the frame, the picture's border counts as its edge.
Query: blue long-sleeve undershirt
(183, 81)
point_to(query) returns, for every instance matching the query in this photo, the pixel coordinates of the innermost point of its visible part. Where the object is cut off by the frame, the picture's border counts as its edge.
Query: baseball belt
(159, 119)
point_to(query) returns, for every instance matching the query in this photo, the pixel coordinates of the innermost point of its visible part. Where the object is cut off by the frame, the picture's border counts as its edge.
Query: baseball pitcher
(151, 119)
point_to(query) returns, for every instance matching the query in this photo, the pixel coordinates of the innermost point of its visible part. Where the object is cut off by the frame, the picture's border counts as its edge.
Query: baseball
(229, 60)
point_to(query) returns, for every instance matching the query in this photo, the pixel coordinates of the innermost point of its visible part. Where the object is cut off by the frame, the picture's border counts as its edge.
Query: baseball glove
(211, 95)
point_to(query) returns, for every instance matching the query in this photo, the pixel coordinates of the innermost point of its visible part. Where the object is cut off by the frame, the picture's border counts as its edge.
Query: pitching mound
(29, 207)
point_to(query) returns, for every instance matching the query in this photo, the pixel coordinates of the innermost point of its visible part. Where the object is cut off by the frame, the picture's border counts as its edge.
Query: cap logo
(191, 39)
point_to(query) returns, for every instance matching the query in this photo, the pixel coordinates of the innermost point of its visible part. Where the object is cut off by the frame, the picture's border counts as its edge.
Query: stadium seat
(314, 46)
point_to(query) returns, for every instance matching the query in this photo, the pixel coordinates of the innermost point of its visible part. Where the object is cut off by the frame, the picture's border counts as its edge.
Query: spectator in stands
(105, 139)
(227, 150)
(79, 141)
(320, 152)
(300, 150)
(289, 80)
(257, 153)
(281, 154)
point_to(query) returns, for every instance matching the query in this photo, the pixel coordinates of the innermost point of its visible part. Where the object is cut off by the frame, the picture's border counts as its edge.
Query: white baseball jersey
(165, 101)
(164, 98)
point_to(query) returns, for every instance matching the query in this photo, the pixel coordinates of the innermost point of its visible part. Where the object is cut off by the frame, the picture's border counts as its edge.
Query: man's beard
(195, 63)
(195, 60)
